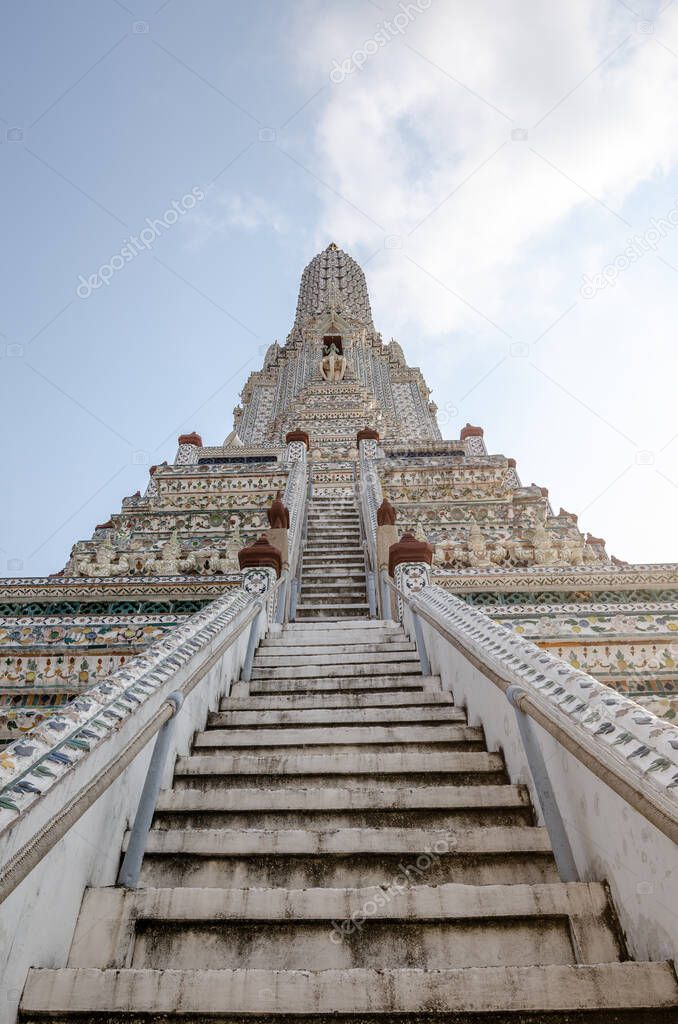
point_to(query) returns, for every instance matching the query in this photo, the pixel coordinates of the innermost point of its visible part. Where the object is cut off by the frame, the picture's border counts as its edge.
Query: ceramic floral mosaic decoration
(171, 548)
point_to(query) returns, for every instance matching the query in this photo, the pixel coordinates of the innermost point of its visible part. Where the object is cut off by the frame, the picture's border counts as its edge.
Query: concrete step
(320, 529)
(366, 631)
(405, 664)
(329, 542)
(285, 769)
(338, 590)
(337, 684)
(346, 842)
(328, 929)
(328, 809)
(321, 523)
(330, 574)
(320, 604)
(311, 561)
(338, 514)
(346, 857)
(323, 612)
(557, 992)
(320, 739)
(357, 636)
(403, 654)
(330, 549)
(330, 718)
(332, 602)
(395, 699)
(385, 624)
(389, 645)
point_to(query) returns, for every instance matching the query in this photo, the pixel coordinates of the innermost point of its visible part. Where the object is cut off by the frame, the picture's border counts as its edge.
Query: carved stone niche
(330, 340)
(367, 434)
(260, 555)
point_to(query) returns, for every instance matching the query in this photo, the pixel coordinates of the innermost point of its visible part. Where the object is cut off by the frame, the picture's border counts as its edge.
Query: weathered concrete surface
(223, 994)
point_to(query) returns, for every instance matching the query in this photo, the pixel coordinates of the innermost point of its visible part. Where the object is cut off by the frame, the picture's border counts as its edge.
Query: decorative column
(409, 564)
(298, 443)
(262, 565)
(187, 452)
(387, 537)
(474, 437)
(279, 520)
(367, 440)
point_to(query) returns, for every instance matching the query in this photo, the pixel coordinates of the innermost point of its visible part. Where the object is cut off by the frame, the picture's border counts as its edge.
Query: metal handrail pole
(282, 597)
(421, 646)
(293, 600)
(246, 672)
(371, 595)
(130, 868)
(370, 567)
(385, 596)
(293, 590)
(562, 850)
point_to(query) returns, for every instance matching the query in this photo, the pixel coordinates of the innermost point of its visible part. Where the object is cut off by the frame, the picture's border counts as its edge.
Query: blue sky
(478, 161)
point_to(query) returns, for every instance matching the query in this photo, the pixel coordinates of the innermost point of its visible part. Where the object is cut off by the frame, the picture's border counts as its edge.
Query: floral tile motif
(620, 727)
(30, 766)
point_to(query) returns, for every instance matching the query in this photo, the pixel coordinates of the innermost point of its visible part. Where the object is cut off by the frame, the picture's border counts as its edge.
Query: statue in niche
(333, 363)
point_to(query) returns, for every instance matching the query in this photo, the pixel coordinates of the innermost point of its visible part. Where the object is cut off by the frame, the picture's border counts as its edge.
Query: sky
(505, 171)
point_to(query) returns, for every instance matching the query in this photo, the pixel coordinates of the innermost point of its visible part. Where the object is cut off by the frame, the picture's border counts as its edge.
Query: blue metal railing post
(246, 673)
(282, 598)
(371, 594)
(385, 596)
(421, 646)
(562, 851)
(131, 865)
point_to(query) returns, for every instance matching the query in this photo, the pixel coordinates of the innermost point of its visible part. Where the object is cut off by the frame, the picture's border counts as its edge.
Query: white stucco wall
(610, 840)
(38, 919)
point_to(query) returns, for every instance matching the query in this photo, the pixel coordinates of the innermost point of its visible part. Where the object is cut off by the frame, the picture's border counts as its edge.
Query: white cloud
(399, 137)
(230, 212)
(497, 231)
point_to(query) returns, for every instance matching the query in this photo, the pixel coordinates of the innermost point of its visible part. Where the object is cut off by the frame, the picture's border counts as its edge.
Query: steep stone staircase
(333, 580)
(341, 843)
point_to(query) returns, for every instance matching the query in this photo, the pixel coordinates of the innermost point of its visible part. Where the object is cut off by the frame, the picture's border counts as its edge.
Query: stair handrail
(297, 559)
(295, 499)
(369, 495)
(31, 766)
(369, 558)
(588, 719)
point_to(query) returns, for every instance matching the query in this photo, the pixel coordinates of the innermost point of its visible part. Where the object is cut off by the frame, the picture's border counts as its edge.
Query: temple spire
(333, 282)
